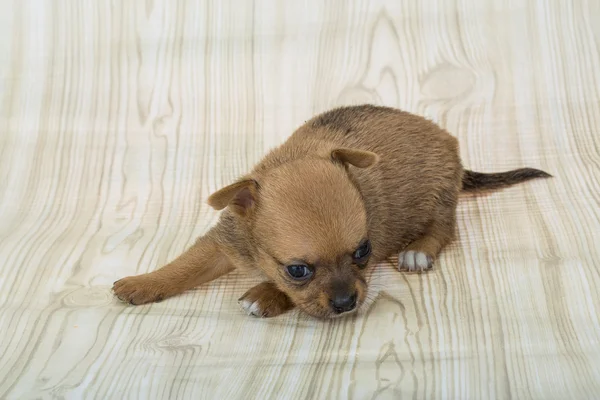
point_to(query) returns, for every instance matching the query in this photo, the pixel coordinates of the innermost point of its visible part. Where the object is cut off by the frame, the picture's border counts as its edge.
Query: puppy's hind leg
(419, 255)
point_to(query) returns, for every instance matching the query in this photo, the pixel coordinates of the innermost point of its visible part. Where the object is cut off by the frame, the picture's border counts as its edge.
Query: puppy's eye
(364, 251)
(299, 272)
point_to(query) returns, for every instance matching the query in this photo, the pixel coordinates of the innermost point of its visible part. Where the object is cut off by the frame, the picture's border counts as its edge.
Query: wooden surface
(117, 119)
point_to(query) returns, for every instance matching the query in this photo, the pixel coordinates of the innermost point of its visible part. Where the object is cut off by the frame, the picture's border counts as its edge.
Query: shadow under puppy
(348, 189)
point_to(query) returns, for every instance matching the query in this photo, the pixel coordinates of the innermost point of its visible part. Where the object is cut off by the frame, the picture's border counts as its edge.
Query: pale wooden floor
(117, 121)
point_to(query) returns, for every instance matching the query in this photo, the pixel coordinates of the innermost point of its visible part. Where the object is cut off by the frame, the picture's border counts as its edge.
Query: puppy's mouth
(326, 314)
(317, 310)
(343, 314)
(335, 314)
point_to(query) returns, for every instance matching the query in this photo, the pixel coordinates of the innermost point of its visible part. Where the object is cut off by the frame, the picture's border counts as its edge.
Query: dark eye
(299, 272)
(361, 254)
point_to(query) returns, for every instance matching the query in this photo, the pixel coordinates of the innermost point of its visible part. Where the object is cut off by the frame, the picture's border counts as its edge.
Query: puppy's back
(391, 133)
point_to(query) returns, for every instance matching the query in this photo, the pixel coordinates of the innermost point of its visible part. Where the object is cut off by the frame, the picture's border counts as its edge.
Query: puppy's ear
(240, 196)
(358, 158)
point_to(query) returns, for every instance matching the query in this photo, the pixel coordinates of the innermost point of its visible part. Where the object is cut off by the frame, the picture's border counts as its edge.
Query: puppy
(348, 189)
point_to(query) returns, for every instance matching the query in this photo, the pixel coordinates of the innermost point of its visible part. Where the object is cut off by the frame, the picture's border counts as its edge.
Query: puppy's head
(309, 225)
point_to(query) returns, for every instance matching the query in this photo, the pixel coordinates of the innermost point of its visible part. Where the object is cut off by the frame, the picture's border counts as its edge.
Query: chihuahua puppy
(350, 188)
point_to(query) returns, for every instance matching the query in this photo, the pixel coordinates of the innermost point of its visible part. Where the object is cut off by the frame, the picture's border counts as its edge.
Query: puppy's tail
(479, 181)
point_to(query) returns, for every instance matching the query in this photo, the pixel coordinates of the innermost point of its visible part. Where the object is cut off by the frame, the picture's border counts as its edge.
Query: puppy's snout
(343, 302)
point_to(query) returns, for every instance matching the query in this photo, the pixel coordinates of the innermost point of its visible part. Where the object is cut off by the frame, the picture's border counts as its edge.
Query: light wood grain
(118, 119)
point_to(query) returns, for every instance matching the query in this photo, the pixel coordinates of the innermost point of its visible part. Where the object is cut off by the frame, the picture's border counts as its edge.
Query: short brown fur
(347, 175)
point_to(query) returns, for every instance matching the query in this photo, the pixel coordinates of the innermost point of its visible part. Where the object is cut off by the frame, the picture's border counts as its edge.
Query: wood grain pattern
(118, 119)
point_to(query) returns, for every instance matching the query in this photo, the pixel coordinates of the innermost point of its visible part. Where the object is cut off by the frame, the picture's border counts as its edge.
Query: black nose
(343, 303)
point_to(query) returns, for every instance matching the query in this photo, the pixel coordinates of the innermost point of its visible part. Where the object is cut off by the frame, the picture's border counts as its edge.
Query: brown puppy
(348, 189)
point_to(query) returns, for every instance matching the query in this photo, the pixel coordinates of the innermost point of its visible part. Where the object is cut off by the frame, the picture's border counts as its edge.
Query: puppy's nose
(343, 303)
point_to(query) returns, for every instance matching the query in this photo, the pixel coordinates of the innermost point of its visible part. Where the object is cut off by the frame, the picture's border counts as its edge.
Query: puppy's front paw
(265, 300)
(139, 289)
(414, 261)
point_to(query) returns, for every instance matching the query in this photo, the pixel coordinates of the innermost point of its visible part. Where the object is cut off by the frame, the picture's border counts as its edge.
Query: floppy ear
(358, 158)
(240, 196)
